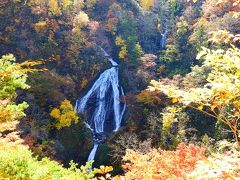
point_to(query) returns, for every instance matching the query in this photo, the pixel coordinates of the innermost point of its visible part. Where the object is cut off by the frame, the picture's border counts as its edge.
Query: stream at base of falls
(102, 105)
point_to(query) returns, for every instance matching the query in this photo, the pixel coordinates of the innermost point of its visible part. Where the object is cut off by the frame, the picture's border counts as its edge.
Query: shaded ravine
(102, 106)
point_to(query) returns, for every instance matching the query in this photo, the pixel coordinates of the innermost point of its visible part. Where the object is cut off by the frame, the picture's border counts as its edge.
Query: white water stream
(165, 25)
(102, 105)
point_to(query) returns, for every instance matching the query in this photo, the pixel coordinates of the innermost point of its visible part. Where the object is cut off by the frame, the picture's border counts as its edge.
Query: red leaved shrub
(160, 164)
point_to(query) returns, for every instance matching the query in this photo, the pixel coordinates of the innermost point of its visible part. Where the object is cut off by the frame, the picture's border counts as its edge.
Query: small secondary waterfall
(102, 105)
(165, 29)
(164, 38)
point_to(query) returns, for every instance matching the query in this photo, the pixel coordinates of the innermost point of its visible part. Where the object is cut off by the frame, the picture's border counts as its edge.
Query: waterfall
(165, 27)
(93, 152)
(164, 36)
(163, 40)
(102, 106)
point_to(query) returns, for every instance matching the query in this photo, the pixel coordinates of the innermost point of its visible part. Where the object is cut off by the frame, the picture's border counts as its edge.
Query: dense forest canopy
(161, 78)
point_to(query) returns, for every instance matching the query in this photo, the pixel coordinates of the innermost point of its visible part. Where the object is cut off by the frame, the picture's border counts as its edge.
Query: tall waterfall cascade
(102, 105)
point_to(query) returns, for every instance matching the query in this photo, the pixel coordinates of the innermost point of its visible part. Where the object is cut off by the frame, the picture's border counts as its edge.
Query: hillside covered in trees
(120, 89)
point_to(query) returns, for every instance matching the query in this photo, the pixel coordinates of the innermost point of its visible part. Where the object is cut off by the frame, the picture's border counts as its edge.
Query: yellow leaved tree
(123, 47)
(147, 4)
(65, 115)
(13, 76)
(218, 94)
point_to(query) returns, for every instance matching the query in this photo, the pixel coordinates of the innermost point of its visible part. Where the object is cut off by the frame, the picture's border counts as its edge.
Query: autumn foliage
(65, 115)
(219, 96)
(235, 6)
(218, 166)
(147, 4)
(13, 76)
(160, 164)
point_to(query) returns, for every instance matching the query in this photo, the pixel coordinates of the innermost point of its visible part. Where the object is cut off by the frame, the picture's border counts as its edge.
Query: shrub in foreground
(160, 164)
(218, 166)
(20, 164)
